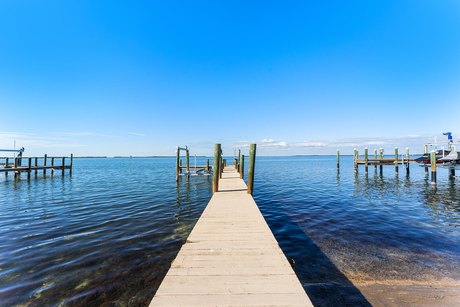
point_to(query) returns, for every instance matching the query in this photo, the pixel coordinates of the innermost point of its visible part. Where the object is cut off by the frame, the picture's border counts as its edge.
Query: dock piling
(407, 161)
(433, 166)
(36, 164)
(44, 164)
(29, 167)
(252, 163)
(338, 159)
(381, 158)
(187, 160)
(375, 158)
(52, 164)
(215, 169)
(425, 151)
(6, 166)
(366, 160)
(242, 167)
(396, 161)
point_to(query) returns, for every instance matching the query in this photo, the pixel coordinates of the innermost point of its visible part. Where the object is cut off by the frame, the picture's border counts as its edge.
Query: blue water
(107, 234)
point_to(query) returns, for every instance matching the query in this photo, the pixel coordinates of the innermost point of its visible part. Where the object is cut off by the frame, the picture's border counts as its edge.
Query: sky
(295, 77)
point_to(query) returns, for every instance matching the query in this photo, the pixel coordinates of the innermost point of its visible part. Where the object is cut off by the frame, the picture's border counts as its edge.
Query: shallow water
(108, 233)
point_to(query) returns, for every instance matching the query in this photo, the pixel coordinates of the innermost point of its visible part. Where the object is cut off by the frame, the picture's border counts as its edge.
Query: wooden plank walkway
(231, 258)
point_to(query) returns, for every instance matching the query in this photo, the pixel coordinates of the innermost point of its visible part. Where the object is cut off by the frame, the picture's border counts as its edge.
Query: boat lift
(18, 157)
(197, 170)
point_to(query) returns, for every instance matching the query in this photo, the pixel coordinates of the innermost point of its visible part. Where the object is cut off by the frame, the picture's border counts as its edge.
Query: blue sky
(296, 77)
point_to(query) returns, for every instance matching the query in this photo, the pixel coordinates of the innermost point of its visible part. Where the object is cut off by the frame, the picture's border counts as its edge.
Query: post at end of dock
(251, 166)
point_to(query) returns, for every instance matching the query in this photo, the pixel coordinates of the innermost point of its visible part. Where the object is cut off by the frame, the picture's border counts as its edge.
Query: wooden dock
(231, 257)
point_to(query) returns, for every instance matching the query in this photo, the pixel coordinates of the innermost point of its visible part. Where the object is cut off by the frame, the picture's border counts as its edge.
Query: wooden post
(6, 165)
(29, 167)
(242, 167)
(177, 163)
(36, 165)
(52, 166)
(338, 159)
(452, 172)
(355, 159)
(63, 165)
(215, 169)
(71, 164)
(221, 165)
(396, 160)
(225, 162)
(187, 160)
(425, 151)
(239, 160)
(252, 164)
(235, 162)
(375, 159)
(44, 164)
(15, 166)
(381, 160)
(407, 161)
(207, 165)
(433, 166)
(366, 159)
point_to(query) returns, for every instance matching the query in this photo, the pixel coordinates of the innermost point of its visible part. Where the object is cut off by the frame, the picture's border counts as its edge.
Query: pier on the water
(32, 165)
(231, 257)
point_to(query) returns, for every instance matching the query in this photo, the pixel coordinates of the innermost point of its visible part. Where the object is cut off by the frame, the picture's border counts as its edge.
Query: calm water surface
(107, 234)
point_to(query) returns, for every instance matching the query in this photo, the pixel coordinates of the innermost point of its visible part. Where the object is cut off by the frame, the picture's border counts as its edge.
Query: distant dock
(29, 165)
(231, 257)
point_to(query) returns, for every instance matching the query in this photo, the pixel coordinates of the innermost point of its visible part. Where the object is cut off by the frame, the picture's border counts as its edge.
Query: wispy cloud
(136, 134)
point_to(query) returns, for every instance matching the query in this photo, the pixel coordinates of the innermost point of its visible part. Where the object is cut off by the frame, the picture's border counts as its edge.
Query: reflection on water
(108, 234)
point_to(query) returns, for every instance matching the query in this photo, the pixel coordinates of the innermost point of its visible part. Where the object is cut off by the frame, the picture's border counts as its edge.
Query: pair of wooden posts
(239, 166)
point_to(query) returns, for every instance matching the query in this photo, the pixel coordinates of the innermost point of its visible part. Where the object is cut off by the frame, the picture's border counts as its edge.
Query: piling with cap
(251, 166)
(215, 169)
(396, 161)
(433, 166)
(177, 164)
(381, 160)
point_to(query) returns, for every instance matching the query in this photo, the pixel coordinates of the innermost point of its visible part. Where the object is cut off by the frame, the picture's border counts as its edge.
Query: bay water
(107, 234)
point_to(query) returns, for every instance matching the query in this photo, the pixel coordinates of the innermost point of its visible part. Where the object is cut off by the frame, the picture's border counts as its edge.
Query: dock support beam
(6, 165)
(71, 164)
(187, 160)
(355, 159)
(216, 169)
(252, 163)
(242, 167)
(396, 161)
(207, 165)
(338, 159)
(375, 159)
(433, 166)
(407, 161)
(366, 160)
(44, 164)
(381, 158)
(425, 151)
(177, 164)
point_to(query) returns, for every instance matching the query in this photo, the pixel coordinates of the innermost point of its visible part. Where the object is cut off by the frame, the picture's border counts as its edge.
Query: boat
(444, 157)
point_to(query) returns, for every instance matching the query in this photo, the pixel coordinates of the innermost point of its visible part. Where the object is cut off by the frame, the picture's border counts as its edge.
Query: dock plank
(231, 258)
